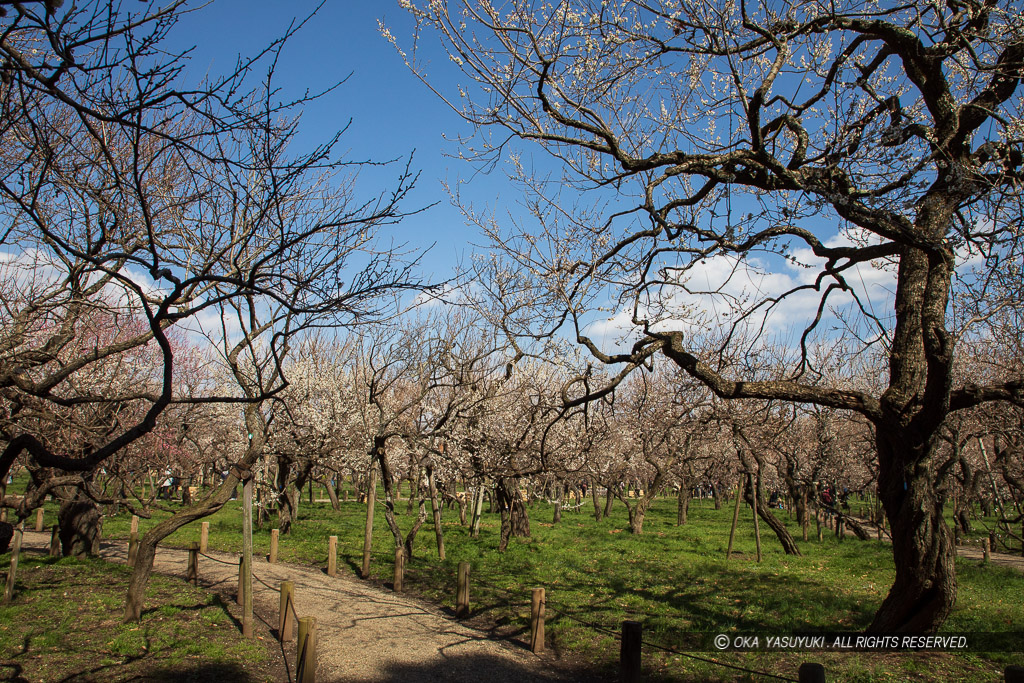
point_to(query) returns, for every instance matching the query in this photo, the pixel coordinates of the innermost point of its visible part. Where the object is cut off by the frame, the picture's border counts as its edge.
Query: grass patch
(65, 624)
(675, 580)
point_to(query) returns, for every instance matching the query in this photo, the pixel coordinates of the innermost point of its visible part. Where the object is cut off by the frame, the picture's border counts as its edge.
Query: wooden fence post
(39, 519)
(192, 573)
(332, 556)
(811, 672)
(986, 549)
(15, 553)
(246, 577)
(286, 622)
(398, 582)
(462, 593)
(630, 654)
(757, 529)
(55, 542)
(275, 539)
(537, 620)
(305, 670)
(735, 519)
(204, 537)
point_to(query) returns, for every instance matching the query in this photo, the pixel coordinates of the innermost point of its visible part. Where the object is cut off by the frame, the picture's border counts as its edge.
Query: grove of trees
(803, 220)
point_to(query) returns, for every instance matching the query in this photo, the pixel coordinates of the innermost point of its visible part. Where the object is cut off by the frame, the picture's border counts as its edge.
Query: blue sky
(392, 113)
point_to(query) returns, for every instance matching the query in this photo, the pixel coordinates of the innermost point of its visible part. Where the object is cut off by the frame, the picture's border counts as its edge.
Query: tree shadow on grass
(732, 600)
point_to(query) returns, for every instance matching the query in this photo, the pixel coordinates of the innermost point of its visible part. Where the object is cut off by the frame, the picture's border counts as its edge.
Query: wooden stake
(247, 559)
(435, 506)
(39, 519)
(810, 672)
(192, 573)
(55, 542)
(275, 535)
(757, 527)
(286, 622)
(204, 537)
(15, 554)
(306, 668)
(462, 592)
(398, 582)
(537, 620)
(332, 556)
(986, 548)
(630, 655)
(807, 517)
(735, 518)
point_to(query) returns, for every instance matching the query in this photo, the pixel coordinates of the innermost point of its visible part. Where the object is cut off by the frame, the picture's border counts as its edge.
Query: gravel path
(365, 633)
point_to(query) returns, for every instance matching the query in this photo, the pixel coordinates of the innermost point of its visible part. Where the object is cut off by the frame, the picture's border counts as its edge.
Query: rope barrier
(210, 557)
(718, 663)
(262, 581)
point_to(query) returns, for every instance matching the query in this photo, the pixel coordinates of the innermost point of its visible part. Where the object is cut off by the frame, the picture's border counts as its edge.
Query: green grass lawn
(65, 624)
(674, 580)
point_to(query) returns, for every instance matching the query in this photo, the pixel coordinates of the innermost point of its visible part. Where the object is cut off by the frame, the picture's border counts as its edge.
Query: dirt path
(365, 633)
(969, 552)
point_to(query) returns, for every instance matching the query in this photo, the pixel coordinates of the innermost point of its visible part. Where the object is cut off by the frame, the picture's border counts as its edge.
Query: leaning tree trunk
(332, 493)
(146, 550)
(763, 511)
(924, 590)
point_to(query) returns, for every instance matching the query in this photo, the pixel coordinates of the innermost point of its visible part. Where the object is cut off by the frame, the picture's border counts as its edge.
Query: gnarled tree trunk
(78, 523)
(514, 520)
(924, 590)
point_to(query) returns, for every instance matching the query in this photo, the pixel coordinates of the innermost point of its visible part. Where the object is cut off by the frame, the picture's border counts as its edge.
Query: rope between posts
(262, 581)
(290, 604)
(210, 557)
(718, 663)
